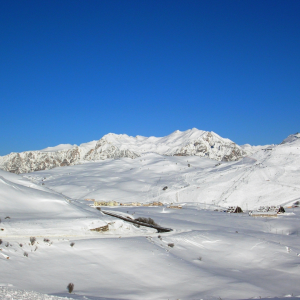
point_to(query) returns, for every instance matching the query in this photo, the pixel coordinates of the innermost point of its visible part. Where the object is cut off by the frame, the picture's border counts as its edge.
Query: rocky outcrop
(212, 146)
(192, 142)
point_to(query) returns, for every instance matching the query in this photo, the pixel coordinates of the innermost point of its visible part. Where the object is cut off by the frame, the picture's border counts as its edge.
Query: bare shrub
(70, 287)
(46, 240)
(7, 217)
(171, 245)
(21, 245)
(72, 244)
(0, 241)
(7, 244)
(25, 254)
(149, 221)
(32, 240)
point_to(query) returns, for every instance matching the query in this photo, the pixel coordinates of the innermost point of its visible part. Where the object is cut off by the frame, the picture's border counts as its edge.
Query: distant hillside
(269, 177)
(192, 142)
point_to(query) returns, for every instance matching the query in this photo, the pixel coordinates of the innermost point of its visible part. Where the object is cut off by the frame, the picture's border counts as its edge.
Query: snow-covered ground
(269, 176)
(209, 254)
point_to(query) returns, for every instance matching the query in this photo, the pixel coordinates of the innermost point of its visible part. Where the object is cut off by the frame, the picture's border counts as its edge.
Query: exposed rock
(192, 142)
(101, 229)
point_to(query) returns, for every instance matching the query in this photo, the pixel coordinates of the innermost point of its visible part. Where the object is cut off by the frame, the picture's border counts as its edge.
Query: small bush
(171, 245)
(32, 240)
(70, 287)
(0, 241)
(46, 240)
(21, 245)
(7, 217)
(147, 221)
(72, 244)
(7, 244)
(25, 254)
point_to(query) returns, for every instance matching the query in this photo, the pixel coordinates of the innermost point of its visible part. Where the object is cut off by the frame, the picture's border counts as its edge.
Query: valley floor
(208, 255)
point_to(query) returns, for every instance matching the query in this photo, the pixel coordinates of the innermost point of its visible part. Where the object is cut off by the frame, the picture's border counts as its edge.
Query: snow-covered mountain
(291, 138)
(269, 177)
(192, 142)
(69, 245)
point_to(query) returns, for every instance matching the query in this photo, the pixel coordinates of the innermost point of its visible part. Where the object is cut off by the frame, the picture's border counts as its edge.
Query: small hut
(233, 209)
(238, 210)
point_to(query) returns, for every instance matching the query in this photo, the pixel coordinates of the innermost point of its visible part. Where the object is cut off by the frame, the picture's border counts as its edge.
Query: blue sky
(72, 71)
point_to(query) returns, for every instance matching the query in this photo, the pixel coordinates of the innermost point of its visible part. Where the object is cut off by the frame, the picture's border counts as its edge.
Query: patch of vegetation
(32, 240)
(149, 221)
(70, 287)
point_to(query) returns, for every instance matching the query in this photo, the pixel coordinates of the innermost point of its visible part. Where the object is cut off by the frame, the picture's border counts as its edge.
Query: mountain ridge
(192, 142)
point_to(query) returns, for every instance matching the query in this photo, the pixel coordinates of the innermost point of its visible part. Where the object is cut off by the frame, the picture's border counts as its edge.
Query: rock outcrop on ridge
(192, 142)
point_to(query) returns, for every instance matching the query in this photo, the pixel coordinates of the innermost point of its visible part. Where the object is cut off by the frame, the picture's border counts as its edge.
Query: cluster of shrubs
(149, 221)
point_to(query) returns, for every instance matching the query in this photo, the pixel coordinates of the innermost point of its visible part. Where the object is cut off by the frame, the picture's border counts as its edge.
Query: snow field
(215, 254)
(269, 177)
(208, 255)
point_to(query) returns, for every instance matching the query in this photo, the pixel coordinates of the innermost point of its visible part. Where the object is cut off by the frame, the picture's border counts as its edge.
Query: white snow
(268, 177)
(250, 149)
(60, 147)
(209, 254)
(191, 142)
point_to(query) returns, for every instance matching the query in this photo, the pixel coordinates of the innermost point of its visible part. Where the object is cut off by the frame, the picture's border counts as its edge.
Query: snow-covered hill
(29, 209)
(268, 177)
(126, 262)
(192, 142)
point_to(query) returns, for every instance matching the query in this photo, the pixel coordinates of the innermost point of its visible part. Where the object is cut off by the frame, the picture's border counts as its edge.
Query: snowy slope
(291, 138)
(27, 209)
(208, 255)
(214, 255)
(250, 150)
(269, 177)
(192, 142)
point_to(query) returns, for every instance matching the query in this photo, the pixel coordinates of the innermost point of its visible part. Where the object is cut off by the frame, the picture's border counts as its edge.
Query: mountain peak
(192, 142)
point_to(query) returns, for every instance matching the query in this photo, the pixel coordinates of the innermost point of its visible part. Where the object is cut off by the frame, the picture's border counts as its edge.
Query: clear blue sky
(72, 71)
